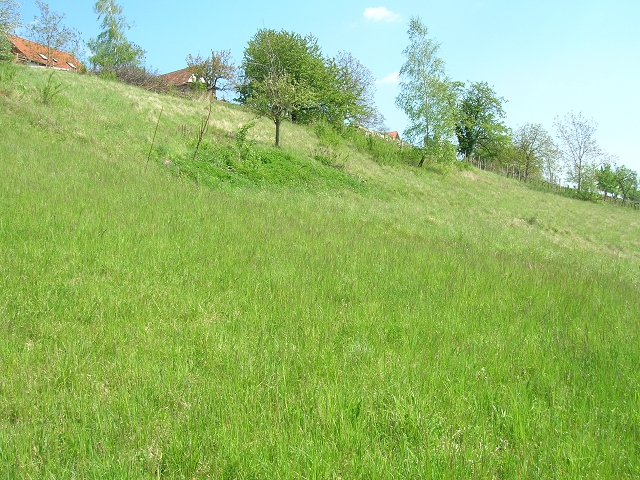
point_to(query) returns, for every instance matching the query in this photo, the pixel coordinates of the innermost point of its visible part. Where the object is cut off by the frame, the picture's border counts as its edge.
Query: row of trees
(448, 118)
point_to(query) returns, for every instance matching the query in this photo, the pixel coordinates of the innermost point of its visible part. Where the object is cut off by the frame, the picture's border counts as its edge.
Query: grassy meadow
(259, 313)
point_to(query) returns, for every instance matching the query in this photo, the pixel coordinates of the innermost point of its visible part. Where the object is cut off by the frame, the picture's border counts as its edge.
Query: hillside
(262, 313)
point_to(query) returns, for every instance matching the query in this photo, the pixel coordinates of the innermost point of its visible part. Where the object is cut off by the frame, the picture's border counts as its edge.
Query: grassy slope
(408, 323)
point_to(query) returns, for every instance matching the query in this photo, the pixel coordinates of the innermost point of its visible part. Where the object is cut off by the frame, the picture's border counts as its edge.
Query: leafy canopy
(336, 90)
(111, 49)
(480, 130)
(217, 72)
(427, 95)
(9, 20)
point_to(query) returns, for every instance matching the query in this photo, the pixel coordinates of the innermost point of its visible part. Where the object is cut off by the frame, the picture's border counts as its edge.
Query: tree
(578, 147)
(606, 180)
(426, 95)
(349, 95)
(213, 70)
(538, 152)
(337, 90)
(627, 182)
(275, 97)
(270, 55)
(479, 128)
(111, 49)
(49, 30)
(9, 21)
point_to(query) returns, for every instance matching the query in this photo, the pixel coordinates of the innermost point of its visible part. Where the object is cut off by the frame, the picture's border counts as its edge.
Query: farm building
(34, 54)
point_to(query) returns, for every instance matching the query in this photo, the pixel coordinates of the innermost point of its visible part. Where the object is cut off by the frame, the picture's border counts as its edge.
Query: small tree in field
(216, 72)
(275, 97)
(49, 30)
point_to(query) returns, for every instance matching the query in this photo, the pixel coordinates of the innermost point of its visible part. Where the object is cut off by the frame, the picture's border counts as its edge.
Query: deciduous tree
(578, 147)
(607, 181)
(111, 49)
(538, 152)
(275, 97)
(217, 72)
(49, 30)
(337, 90)
(349, 95)
(271, 56)
(627, 182)
(427, 95)
(479, 129)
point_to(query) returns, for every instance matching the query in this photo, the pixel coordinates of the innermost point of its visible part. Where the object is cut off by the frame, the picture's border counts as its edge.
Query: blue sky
(545, 57)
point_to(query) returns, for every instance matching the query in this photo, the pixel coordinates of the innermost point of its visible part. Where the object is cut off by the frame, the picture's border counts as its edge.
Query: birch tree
(427, 95)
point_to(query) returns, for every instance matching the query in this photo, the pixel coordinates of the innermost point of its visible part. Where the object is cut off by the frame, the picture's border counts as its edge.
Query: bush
(50, 90)
(139, 77)
(383, 150)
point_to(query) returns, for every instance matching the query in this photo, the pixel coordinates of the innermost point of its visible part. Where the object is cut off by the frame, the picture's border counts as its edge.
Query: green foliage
(534, 153)
(276, 97)
(214, 73)
(383, 150)
(7, 72)
(327, 134)
(111, 49)
(9, 21)
(427, 95)
(626, 181)
(50, 90)
(5, 48)
(335, 90)
(272, 55)
(606, 180)
(480, 130)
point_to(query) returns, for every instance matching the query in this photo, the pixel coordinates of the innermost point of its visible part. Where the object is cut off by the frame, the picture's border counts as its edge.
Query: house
(394, 136)
(181, 79)
(36, 55)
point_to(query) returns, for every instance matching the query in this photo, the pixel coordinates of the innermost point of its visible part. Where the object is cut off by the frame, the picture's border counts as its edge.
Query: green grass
(287, 319)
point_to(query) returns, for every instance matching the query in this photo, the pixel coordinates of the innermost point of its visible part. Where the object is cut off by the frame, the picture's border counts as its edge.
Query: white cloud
(380, 14)
(391, 79)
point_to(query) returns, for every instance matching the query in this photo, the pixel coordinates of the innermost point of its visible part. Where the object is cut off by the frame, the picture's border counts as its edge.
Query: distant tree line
(450, 121)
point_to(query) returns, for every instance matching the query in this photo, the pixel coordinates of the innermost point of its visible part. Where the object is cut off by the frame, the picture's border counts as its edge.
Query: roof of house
(38, 54)
(394, 135)
(179, 77)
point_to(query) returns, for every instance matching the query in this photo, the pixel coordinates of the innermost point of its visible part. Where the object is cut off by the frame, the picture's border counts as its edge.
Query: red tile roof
(394, 135)
(31, 52)
(179, 77)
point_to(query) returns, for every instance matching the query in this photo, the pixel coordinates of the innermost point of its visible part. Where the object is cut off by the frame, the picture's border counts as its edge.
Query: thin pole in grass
(154, 138)
(204, 125)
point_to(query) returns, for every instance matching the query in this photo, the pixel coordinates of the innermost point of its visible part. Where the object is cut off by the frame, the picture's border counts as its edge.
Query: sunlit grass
(413, 323)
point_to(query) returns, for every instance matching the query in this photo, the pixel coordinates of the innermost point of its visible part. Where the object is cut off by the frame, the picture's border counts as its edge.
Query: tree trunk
(277, 133)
